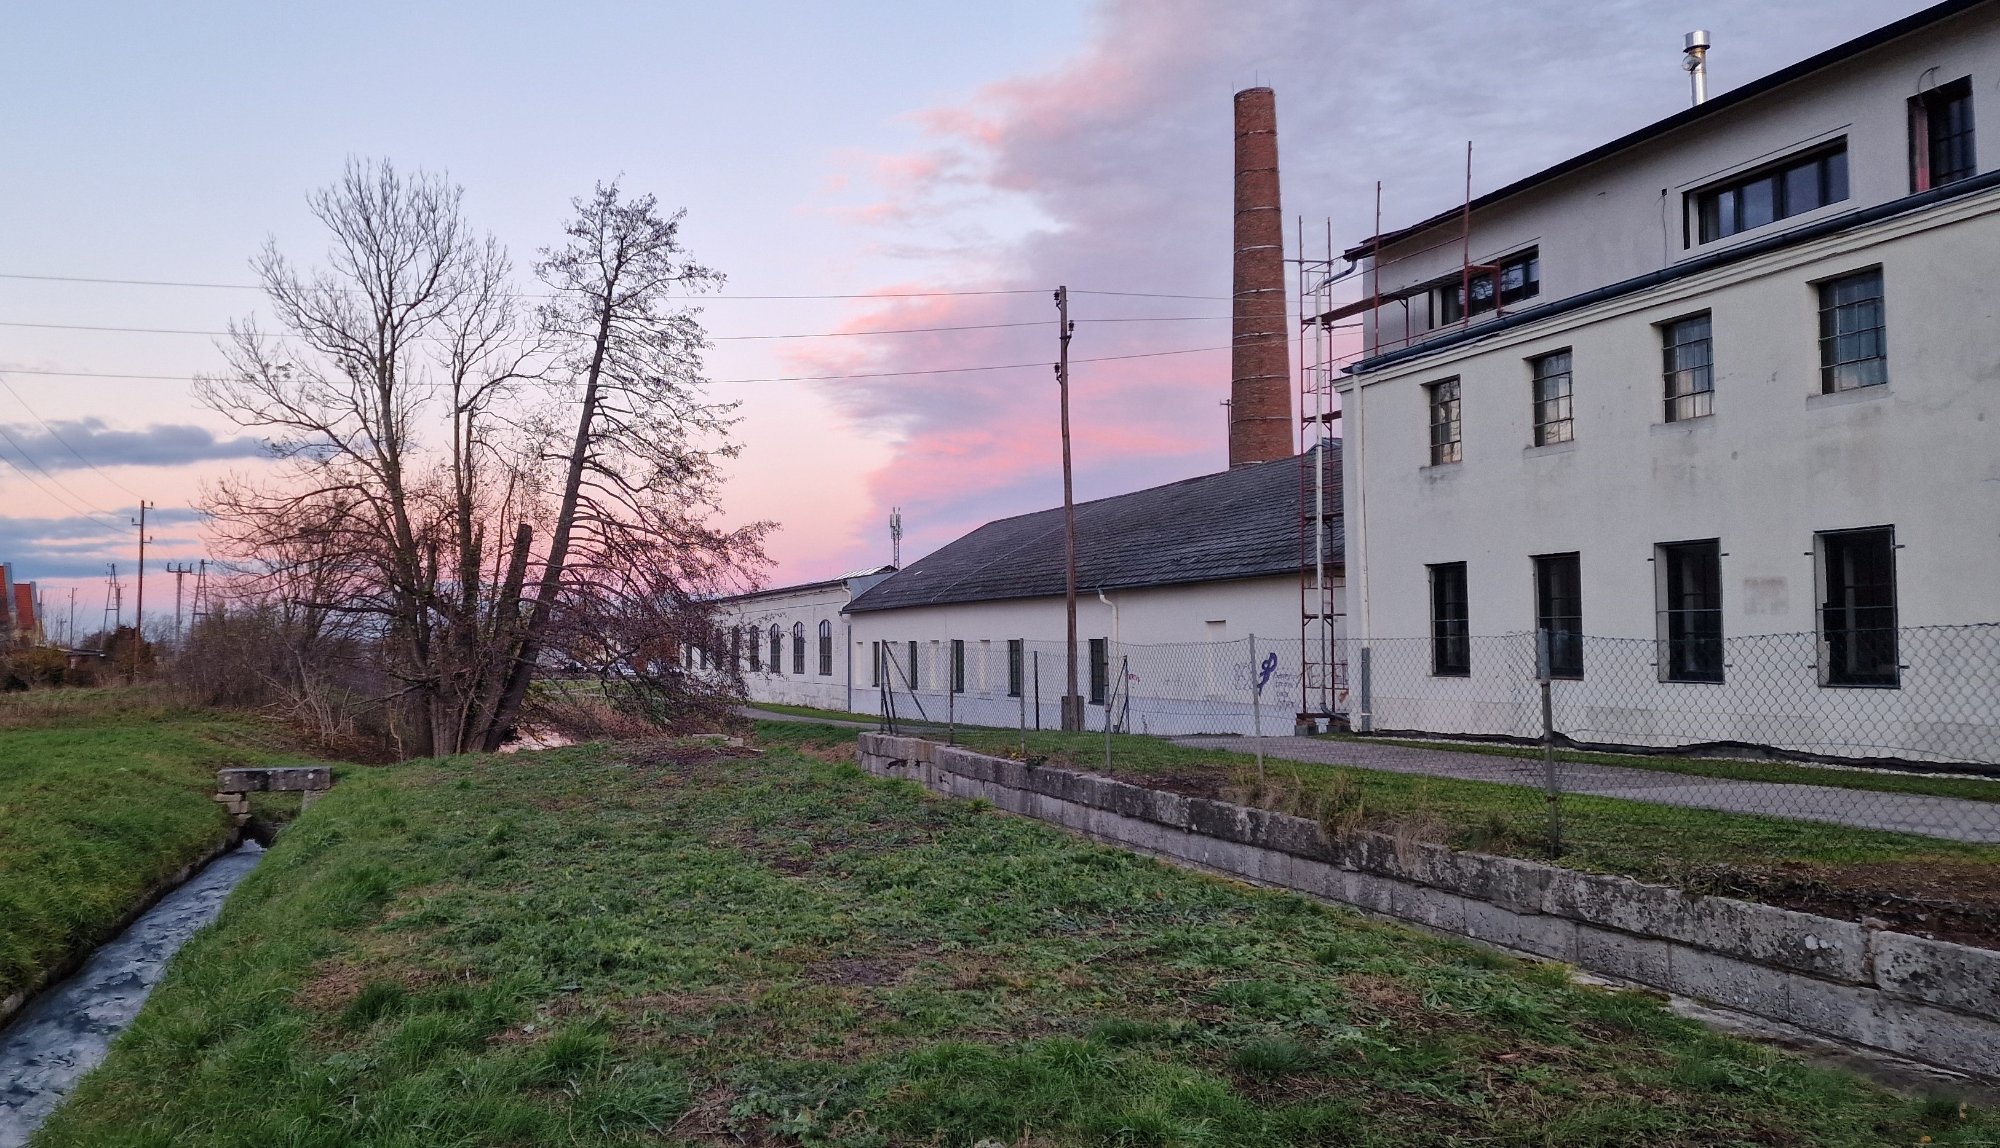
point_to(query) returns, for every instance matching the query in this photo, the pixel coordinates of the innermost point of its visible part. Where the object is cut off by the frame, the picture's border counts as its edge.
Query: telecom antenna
(896, 537)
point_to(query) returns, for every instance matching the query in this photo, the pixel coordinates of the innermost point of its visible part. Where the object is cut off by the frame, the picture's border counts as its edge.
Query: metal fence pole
(1551, 783)
(951, 705)
(1038, 690)
(1014, 671)
(1364, 718)
(1257, 709)
(1110, 707)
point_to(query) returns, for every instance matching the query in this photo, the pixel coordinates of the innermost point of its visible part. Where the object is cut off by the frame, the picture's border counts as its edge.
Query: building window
(1690, 589)
(777, 649)
(825, 649)
(1443, 399)
(1552, 409)
(1559, 611)
(1520, 278)
(958, 665)
(1853, 339)
(913, 666)
(756, 652)
(875, 664)
(1451, 628)
(1941, 135)
(736, 647)
(1014, 659)
(1688, 362)
(1790, 188)
(1100, 670)
(1857, 612)
(799, 648)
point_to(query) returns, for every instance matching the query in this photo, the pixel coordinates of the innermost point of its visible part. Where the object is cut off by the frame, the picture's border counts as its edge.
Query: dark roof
(823, 584)
(1241, 523)
(1714, 106)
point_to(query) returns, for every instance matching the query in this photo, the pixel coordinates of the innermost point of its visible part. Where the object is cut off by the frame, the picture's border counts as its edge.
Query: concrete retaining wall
(1930, 1001)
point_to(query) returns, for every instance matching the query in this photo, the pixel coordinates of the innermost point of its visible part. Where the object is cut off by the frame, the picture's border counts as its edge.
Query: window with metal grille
(736, 647)
(799, 648)
(958, 665)
(1689, 583)
(1794, 186)
(1853, 334)
(777, 649)
(1520, 278)
(1451, 641)
(1559, 611)
(1688, 366)
(1100, 670)
(1857, 610)
(1014, 660)
(825, 649)
(1443, 399)
(1552, 405)
(1941, 148)
(913, 666)
(756, 650)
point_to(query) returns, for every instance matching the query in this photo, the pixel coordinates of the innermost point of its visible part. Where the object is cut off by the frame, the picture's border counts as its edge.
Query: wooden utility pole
(1072, 702)
(139, 608)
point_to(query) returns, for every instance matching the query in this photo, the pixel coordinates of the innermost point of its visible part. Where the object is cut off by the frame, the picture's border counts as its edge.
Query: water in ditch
(68, 1029)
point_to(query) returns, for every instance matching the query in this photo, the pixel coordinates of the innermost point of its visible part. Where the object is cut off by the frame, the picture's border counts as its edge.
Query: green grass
(570, 948)
(1601, 834)
(103, 793)
(1880, 781)
(814, 712)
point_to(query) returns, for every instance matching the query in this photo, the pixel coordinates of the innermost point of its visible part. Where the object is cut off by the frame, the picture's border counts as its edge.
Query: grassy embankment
(103, 794)
(588, 947)
(1810, 865)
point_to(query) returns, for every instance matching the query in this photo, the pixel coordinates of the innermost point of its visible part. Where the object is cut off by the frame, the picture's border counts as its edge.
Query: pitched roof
(1241, 523)
(1835, 55)
(802, 587)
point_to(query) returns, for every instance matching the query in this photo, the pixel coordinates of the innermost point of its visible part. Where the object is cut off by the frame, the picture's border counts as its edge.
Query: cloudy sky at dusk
(874, 151)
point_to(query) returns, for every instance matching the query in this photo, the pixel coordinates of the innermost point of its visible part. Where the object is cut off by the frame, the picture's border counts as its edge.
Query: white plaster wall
(1776, 462)
(1622, 216)
(784, 607)
(1186, 645)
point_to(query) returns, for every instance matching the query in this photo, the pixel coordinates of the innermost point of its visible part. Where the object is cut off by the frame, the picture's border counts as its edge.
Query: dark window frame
(756, 649)
(1100, 670)
(1520, 278)
(914, 679)
(1444, 400)
(1552, 390)
(1559, 610)
(1688, 380)
(777, 649)
(799, 649)
(875, 664)
(958, 665)
(1692, 642)
(825, 648)
(1857, 619)
(1856, 312)
(1804, 181)
(1943, 139)
(1016, 659)
(1451, 620)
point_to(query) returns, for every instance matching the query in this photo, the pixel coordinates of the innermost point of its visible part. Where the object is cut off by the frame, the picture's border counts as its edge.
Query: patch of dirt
(681, 753)
(332, 986)
(854, 971)
(1945, 900)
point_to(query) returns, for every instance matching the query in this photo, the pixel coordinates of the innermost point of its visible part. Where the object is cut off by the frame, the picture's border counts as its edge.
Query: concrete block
(1621, 955)
(1011, 774)
(1844, 1012)
(1367, 891)
(1299, 836)
(1214, 818)
(1314, 878)
(1170, 809)
(274, 779)
(1957, 976)
(1726, 981)
(1801, 941)
(1125, 800)
(1968, 1044)
(1515, 884)
(1426, 906)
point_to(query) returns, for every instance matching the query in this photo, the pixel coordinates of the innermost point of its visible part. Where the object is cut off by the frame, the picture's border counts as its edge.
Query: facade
(1173, 584)
(791, 642)
(1727, 402)
(20, 609)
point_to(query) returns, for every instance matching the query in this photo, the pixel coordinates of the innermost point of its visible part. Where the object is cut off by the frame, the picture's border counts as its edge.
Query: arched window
(756, 651)
(825, 648)
(777, 649)
(798, 647)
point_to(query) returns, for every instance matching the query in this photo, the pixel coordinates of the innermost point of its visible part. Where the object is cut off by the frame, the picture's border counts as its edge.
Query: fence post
(1544, 661)
(1021, 695)
(1110, 707)
(1256, 710)
(1364, 715)
(950, 701)
(882, 693)
(1038, 690)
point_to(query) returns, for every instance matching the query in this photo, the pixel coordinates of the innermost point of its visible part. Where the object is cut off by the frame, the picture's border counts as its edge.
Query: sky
(901, 165)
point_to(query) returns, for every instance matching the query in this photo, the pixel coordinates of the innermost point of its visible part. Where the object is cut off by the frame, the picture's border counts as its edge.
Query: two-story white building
(791, 643)
(1717, 405)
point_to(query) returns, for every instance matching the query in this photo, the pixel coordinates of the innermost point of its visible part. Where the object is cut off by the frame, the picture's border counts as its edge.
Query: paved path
(1951, 818)
(755, 714)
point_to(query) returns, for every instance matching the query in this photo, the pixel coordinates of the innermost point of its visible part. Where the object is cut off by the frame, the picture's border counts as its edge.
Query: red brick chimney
(1260, 384)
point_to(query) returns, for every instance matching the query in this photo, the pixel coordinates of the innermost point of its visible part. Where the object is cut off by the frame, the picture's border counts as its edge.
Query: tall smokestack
(1260, 406)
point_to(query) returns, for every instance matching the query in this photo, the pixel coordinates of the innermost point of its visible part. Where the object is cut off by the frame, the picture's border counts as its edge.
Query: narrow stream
(68, 1029)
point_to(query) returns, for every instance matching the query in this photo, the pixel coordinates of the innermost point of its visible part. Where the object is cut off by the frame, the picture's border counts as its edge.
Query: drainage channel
(66, 1031)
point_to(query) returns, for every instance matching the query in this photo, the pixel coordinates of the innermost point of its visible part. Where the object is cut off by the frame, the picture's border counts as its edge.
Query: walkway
(755, 714)
(1950, 818)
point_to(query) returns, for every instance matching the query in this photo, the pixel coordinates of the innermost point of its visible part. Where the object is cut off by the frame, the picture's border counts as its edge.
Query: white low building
(1173, 585)
(791, 642)
(1721, 414)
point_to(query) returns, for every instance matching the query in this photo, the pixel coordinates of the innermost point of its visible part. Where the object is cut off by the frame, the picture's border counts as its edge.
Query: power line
(57, 494)
(711, 338)
(65, 442)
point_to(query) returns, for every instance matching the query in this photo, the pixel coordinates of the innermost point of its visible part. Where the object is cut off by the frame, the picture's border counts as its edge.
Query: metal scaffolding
(1322, 671)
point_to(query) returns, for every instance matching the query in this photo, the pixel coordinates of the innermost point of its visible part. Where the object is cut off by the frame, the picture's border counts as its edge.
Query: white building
(1173, 582)
(791, 642)
(1732, 409)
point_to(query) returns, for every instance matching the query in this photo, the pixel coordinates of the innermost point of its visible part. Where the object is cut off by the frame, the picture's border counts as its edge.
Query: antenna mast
(896, 537)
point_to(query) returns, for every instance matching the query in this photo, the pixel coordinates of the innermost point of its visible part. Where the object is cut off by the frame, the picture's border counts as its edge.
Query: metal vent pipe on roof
(1694, 48)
